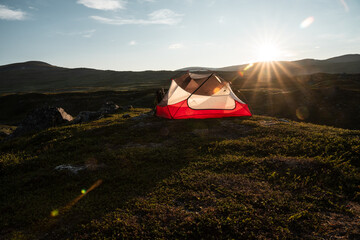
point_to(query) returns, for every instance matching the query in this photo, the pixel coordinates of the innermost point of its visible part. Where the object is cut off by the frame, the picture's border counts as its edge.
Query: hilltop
(146, 177)
(30, 65)
(349, 63)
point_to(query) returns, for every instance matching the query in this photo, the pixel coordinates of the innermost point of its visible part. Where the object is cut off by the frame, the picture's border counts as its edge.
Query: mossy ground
(152, 178)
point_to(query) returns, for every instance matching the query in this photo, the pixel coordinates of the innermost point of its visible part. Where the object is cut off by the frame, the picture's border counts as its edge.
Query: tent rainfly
(200, 96)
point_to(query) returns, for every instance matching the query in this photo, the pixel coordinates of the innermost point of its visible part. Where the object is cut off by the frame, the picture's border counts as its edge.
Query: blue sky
(170, 34)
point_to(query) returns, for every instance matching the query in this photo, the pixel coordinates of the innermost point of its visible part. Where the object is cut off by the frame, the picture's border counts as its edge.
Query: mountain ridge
(41, 65)
(37, 76)
(347, 58)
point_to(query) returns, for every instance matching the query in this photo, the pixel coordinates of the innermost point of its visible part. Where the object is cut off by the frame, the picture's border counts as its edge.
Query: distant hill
(345, 58)
(35, 76)
(31, 65)
(349, 63)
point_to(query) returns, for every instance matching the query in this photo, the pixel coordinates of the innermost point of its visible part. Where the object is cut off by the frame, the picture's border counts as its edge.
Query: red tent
(200, 96)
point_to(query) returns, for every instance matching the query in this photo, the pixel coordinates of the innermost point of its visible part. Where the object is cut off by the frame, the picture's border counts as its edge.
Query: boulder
(42, 118)
(86, 116)
(65, 115)
(109, 107)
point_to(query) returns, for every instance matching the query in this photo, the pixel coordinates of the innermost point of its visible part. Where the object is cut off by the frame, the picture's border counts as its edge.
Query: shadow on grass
(45, 203)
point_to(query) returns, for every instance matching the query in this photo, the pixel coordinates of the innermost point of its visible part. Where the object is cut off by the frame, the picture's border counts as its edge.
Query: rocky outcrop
(46, 117)
(108, 107)
(42, 118)
(86, 116)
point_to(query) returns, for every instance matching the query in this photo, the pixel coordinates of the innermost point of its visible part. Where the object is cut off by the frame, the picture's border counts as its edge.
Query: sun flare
(268, 52)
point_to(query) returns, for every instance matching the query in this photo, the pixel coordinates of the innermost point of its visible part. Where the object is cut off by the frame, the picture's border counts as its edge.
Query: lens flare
(307, 22)
(248, 66)
(54, 213)
(216, 90)
(302, 113)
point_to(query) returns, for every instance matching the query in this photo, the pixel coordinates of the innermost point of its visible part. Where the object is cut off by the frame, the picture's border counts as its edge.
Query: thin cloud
(132, 43)
(8, 14)
(176, 46)
(162, 16)
(103, 4)
(88, 34)
(85, 34)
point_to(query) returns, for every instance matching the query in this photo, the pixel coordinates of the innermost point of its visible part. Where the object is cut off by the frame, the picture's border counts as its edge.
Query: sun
(267, 52)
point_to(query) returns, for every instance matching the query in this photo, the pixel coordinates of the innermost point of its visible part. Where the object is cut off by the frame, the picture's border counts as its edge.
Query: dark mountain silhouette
(36, 76)
(349, 63)
(345, 58)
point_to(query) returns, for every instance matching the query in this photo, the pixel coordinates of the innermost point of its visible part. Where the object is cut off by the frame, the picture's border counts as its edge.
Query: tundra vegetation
(145, 177)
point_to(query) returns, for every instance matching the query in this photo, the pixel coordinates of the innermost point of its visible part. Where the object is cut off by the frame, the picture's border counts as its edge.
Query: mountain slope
(342, 64)
(345, 58)
(147, 177)
(43, 77)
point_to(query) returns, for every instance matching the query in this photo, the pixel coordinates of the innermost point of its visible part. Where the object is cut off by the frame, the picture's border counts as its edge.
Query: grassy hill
(42, 77)
(146, 177)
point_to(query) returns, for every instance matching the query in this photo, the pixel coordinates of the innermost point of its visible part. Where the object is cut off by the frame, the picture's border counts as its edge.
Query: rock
(65, 115)
(90, 165)
(109, 107)
(126, 115)
(72, 169)
(41, 118)
(86, 116)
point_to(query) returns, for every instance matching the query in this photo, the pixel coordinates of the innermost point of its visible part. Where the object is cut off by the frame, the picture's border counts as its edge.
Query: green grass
(154, 178)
